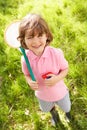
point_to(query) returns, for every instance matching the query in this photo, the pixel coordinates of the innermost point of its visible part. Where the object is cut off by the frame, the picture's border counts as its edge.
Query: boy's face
(36, 44)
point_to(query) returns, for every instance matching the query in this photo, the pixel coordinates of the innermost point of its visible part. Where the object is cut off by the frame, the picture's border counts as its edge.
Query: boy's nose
(35, 40)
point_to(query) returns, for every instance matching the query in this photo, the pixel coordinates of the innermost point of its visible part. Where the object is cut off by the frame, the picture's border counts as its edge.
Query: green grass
(19, 109)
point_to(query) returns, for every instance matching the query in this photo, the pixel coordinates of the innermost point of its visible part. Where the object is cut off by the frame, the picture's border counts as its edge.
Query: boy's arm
(33, 84)
(56, 78)
(62, 74)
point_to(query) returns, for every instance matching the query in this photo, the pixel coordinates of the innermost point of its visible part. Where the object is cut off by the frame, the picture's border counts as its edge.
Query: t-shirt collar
(44, 55)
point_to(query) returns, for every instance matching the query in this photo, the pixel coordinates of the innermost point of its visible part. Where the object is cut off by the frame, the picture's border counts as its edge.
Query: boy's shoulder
(55, 50)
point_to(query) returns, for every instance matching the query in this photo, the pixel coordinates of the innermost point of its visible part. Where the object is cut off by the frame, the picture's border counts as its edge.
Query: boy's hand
(51, 80)
(33, 84)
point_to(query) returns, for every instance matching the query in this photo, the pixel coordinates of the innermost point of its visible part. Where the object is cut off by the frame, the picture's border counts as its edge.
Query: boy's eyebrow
(29, 36)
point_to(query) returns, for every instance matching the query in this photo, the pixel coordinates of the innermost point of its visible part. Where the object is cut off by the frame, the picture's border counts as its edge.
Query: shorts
(64, 104)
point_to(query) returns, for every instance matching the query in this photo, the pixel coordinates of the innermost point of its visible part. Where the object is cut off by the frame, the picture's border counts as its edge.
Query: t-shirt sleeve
(24, 66)
(62, 62)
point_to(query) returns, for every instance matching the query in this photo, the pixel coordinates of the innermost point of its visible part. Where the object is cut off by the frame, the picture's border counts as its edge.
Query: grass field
(19, 109)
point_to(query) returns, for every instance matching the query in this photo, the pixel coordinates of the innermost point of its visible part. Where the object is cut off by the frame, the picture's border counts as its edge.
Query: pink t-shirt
(52, 60)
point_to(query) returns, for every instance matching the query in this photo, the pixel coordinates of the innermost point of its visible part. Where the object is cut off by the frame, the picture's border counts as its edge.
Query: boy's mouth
(36, 46)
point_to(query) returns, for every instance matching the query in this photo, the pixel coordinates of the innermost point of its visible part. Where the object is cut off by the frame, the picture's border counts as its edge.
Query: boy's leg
(65, 105)
(68, 115)
(49, 107)
(55, 116)
(45, 106)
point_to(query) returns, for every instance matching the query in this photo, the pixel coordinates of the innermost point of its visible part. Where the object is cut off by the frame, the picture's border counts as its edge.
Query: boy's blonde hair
(34, 25)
